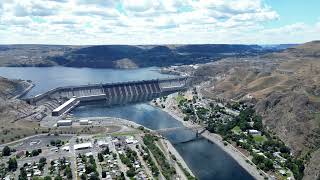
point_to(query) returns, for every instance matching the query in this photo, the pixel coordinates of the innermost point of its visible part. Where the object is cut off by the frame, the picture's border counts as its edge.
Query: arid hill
(285, 89)
(16, 116)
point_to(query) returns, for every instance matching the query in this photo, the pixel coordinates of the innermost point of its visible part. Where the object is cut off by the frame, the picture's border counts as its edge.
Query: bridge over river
(63, 99)
(197, 129)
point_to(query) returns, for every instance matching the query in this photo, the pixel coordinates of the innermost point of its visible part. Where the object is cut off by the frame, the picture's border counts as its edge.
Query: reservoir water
(205, 159)
(46, 78)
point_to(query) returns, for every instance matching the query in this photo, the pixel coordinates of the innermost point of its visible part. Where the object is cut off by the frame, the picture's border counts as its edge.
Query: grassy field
(180, 98)
(236, 130)
(259, 139)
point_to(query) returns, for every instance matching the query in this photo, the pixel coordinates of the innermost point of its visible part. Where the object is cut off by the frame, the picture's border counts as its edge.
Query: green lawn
(259, 139)
(236, 130)
(180, 98)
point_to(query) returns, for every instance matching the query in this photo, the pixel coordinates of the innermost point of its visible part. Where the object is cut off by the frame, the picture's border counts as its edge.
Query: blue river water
(206, 160)
(46, 78)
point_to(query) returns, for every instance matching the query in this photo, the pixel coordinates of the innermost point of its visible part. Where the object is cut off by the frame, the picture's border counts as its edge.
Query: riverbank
(239, 157)
(171, 150)
(172, 110)
(26, 86)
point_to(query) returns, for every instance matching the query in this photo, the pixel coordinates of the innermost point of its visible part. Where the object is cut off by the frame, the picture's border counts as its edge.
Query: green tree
(90, 168)
(43, 160)
(106, 151)
(47, 178)
(268, 164)
(100, 157)
(285, 149)
(23, 174)
(258, 123)
(27, 153)
(58, 178)
(257, 159)
(68, 172)
(12, 164)
(6, 151)
(35, 153)
(104, 174)
(131, 172)
(83, 177)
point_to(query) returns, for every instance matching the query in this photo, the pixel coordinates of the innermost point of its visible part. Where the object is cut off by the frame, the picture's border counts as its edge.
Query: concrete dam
(63, 99)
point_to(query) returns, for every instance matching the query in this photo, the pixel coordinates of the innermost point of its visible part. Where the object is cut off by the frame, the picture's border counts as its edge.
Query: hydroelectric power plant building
(63, 99)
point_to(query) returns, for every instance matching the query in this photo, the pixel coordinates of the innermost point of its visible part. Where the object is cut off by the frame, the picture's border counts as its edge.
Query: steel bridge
(197, 129)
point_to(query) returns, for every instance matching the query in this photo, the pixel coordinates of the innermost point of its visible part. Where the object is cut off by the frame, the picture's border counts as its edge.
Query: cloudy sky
(158, 21)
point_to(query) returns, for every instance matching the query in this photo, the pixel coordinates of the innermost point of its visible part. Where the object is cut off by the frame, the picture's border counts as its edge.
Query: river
(206, 160)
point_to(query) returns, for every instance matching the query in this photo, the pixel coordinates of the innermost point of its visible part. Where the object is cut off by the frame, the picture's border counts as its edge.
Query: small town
(136, 154)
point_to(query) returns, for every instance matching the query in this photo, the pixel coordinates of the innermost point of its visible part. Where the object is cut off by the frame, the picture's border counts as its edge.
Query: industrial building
(65, 107)
(64, 123)
(85, 122)
(82, 146)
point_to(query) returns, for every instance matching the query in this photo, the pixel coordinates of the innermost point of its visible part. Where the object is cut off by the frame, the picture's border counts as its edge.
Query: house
(89, 154)
(66, 148)
(254, 132)
(102, 143)
(37, 172)
(283, 172)
(131, 140)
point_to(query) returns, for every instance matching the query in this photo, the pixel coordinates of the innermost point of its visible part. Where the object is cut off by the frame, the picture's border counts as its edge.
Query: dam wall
(111, 93)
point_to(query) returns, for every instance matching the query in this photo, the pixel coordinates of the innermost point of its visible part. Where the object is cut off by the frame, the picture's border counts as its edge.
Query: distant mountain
(279, 46)
(123, 56)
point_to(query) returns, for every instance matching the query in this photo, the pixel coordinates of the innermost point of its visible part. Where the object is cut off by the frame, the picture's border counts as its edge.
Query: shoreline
(174, 152)
(232, 151)
(26, 90)
(239, 157)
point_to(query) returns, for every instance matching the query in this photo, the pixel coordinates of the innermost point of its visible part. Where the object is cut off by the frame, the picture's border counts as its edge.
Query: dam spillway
(58, 100)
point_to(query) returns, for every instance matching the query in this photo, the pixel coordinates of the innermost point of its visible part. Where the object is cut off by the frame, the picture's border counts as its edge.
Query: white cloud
(141, 21)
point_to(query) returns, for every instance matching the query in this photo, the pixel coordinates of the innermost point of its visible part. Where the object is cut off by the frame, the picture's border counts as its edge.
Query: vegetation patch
(167, 170)
(236, 130)
(180, 99)
(259, 138)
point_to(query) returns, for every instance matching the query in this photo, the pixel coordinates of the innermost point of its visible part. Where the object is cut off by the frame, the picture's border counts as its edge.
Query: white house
(254, 132)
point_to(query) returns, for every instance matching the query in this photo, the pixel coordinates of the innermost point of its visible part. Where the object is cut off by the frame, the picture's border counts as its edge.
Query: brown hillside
(286, 89)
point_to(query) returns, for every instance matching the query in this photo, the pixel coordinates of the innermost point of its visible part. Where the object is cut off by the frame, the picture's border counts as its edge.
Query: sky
(93, 22)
